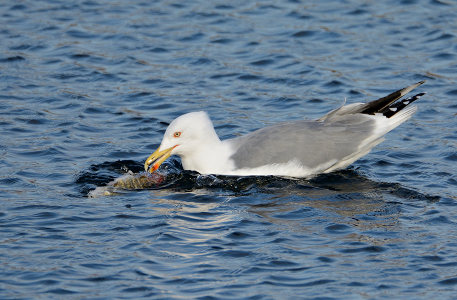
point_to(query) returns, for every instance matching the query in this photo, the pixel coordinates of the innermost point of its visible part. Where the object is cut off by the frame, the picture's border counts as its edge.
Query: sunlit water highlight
(88, 88)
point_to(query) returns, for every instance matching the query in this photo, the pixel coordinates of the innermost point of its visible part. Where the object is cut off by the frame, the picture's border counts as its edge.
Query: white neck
(211, 157)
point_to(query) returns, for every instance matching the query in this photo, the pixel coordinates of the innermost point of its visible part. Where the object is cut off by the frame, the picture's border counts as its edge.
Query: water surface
(87, 89)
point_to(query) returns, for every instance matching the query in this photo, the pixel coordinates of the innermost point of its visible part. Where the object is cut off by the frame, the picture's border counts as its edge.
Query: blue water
(87, 89)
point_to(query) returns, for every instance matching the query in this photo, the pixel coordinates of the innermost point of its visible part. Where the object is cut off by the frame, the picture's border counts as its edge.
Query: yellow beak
(156, 159)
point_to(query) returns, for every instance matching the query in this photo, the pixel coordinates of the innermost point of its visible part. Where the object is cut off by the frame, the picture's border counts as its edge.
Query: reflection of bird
(297, 149)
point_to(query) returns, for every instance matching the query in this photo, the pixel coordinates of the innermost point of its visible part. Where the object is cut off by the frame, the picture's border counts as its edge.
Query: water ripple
(87, 90)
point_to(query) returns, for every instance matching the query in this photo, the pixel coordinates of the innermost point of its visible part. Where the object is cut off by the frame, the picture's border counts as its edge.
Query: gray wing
(310, 142)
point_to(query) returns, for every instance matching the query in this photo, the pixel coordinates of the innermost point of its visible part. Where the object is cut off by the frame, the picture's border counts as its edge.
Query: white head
(185, 136)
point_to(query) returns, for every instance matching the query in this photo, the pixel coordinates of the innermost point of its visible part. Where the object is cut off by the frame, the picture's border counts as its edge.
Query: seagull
(302, 148)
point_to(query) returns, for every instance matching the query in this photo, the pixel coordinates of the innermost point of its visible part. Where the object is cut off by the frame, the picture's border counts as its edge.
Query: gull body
(301, 148)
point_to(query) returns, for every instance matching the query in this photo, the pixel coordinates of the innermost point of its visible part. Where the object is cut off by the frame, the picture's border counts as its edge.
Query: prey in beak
(157, 158)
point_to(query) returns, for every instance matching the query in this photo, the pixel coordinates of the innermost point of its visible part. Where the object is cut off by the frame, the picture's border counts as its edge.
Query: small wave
(101, 179)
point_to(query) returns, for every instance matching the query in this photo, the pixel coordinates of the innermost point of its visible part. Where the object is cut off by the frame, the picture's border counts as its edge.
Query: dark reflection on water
(174, 178)
(87, 89)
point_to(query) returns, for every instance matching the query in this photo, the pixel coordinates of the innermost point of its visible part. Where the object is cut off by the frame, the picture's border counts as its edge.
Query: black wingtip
(399, 105)
(380, 105)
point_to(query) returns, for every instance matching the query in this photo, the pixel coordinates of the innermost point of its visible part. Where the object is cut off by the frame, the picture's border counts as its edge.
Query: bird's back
(310, 142)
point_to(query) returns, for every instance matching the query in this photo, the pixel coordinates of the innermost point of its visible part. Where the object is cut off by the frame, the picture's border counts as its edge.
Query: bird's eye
(177, 134)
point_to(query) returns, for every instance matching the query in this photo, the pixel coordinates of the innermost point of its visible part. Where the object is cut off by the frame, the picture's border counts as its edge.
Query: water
(87, 89)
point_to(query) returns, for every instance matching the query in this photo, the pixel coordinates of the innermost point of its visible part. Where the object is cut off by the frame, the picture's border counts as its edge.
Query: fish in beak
(157, 158)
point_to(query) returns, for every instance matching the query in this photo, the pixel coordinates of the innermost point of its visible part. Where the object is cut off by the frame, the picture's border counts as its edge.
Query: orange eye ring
(177, 134)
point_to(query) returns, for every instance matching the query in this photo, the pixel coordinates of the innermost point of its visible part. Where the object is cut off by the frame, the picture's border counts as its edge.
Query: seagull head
(183, 137)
